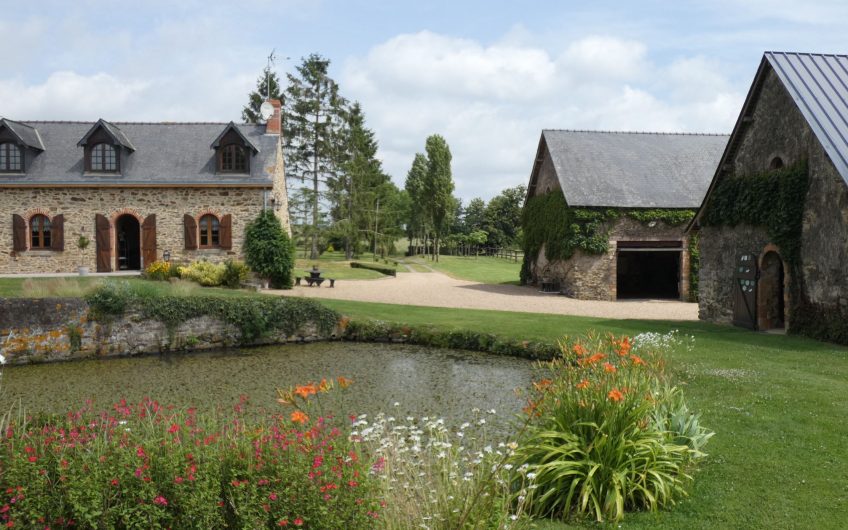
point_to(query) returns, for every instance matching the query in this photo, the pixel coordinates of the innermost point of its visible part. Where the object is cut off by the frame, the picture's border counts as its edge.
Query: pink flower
(140, 452)
(160, 500)
(273, 496)
(173, 428)
(298, 522)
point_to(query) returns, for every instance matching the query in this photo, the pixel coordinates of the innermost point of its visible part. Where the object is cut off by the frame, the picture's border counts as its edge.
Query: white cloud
(492, 101)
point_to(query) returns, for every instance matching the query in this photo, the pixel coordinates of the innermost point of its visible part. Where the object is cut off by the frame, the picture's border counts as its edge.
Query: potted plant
(83, 243)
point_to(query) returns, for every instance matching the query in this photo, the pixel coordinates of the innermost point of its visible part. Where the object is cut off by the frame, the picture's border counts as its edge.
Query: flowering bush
(435, 477)
(205, 273)
(147, 466)
(158, 270)
(607, 434)
(234, 273)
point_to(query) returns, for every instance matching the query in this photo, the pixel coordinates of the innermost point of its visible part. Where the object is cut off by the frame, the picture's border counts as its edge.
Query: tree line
(341, 198)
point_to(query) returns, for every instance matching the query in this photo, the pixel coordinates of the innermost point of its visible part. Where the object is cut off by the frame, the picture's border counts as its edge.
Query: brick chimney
(275, 122)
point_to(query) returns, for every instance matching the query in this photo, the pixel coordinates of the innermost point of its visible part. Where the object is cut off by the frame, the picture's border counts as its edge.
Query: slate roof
(165, 153)
(26, 134)
(818, 84)
(633, 170)
(112, 130)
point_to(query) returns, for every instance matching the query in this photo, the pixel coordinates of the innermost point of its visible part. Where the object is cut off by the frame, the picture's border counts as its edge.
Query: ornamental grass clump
(607, 433)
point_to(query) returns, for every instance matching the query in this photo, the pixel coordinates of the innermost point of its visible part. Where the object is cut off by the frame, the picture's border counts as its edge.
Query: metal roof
(634, 169)
(818, 83)
(165, 153)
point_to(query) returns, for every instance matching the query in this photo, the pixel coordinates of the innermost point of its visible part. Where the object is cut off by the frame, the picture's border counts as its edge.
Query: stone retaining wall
(58, 329)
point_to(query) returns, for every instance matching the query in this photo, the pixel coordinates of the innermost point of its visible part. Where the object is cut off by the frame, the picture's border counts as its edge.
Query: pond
(424, 381)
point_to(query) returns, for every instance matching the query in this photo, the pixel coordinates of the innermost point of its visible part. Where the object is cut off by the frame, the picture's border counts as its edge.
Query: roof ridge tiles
(659, 133)
(84, 122)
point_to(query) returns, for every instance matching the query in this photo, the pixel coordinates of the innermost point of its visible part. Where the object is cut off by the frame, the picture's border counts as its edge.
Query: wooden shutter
(57, 232)
(148, 240)
(19, 233)
(103, 241)
(226, 228)
(190, 232)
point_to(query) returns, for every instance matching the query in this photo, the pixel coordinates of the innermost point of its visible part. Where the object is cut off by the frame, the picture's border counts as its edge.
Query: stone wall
(778, 129)
(80, 205)
(58, 329)
(593, 277)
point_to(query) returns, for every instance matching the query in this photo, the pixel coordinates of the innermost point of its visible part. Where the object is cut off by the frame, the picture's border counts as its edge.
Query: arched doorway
(771, 307)
(127, 243)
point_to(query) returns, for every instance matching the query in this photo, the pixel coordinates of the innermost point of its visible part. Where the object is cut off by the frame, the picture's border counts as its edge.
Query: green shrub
(606, 434)
(235, 272)
(158, 271)
(269, 251)
(205, 273)
(109, 299)
(388, 271)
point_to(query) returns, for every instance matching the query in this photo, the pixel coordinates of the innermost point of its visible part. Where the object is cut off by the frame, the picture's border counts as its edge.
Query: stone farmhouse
(774, 223)
(606, 212)
(137, 191)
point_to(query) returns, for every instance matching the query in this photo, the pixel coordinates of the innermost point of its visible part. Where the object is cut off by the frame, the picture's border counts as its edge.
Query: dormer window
(11, 158)
(234, 159)
(103, 157)
(233, 150)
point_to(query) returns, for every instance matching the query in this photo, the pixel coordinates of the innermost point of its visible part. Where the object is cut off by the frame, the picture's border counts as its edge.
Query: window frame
(232, 150)
(42, 229)
(213, 231)
(102, 155)
(8, 147)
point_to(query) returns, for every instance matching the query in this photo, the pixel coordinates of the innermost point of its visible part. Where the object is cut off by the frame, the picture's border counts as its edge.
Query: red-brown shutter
(148, 240)
(57, 232)
(226, 228)
(190, 232)
(19, 233)
(103, 241)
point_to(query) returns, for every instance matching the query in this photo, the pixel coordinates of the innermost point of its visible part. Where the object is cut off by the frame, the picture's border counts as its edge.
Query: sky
(486, 75)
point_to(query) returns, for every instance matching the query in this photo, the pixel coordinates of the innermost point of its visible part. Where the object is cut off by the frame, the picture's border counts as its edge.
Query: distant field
(483, 269)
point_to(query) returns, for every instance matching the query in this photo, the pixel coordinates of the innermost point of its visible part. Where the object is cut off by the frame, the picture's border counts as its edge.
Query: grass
(79, 286)
(483, 269)
(779, 458)
(334, 265)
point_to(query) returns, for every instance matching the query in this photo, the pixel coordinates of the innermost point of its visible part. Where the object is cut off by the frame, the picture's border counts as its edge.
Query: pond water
(425, 381)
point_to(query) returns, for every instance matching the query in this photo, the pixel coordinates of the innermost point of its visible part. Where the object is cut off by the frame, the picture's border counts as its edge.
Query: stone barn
(137, 191)
(606, 212)
(774, 223)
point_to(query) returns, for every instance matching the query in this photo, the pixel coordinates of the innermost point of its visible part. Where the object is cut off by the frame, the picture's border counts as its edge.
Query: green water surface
(424, 381)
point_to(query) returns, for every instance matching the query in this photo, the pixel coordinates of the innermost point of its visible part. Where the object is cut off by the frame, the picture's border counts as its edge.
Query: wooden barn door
(148, 241)
(103, 243)
(745, 292)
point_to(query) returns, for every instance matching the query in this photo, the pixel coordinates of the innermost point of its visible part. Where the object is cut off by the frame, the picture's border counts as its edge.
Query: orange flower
(623, 346)
(609, 368)
(583, 384)
(305, 391)
(578, 350)
(299, 417)
(542, 385)
(615, 395)
(344, 382)
(637, 360)
(324, 386)
(595, 358)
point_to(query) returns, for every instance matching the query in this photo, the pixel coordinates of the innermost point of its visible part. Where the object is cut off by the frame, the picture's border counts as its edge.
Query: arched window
(39, 228)
(210, 231)
(11, 158)
(776, 163)
(234, 158)
(103, 158)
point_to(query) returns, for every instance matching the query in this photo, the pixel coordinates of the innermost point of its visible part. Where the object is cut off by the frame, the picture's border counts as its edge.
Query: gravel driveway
(438, 290)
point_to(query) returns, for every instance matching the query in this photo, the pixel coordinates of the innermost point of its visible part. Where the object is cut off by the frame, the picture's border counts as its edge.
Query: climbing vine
(774, 200)
(548, 220)
(694, 265)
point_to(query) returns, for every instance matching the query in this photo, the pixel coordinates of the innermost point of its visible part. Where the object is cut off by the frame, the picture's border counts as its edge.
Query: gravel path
(438, 290)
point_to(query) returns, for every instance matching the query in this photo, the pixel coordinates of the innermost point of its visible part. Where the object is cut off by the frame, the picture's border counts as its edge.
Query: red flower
(272, 496)
(173, 428)
(114, 482)
(298, 522)
(33, 459)
(160, 500)
(283, 522)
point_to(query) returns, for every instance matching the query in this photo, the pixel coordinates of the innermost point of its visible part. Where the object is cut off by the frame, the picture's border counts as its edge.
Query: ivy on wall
(694, 265)
(548, 220)
(775, 200)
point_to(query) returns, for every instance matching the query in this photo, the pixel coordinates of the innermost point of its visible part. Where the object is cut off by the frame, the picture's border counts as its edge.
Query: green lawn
(483, 269)
(778, 405)
(79, 286)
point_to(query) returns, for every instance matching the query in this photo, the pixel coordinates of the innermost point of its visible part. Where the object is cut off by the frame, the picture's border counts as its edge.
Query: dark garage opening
(648, 274)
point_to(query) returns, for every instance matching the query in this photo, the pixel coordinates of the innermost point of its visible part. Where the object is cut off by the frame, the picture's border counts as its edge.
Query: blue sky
(486, 75)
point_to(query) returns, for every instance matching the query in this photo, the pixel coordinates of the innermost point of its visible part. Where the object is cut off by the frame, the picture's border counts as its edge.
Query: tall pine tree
(314, 123)
(418, 217)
